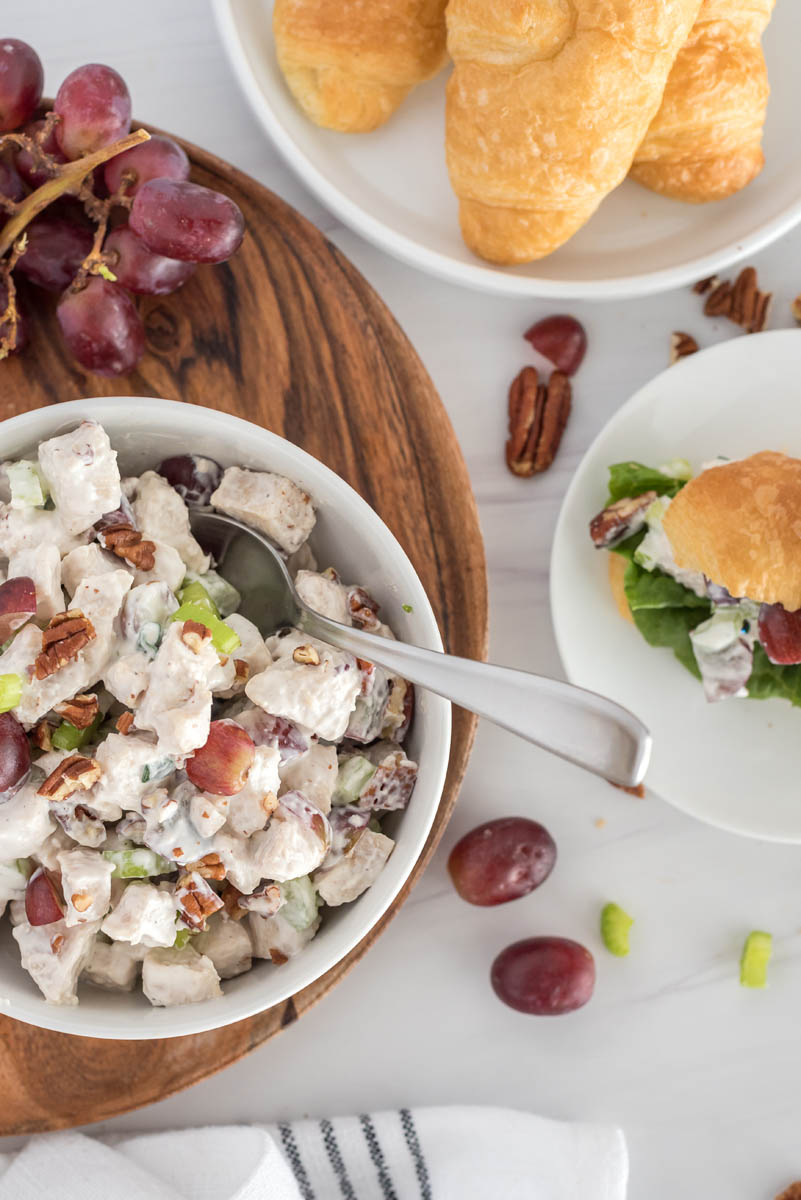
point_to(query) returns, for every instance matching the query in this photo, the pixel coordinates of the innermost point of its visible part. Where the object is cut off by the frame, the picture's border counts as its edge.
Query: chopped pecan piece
(306, 655)
(795, 308)
(682, 345)
(208, 867)
(363, 609)
(43, 735)
(196, 900)
(80, 711)
(80, 901)
(638, 790)
(242, 668)
(265, 900)
(124, 722)
(538, 415)
(127, 543)
(194, 634)
(56, 943)
(620, 520)
(793, 1192)
(67, 634)
(74, 774)
(230, 898)
(705, 285)
(742, 302)
(278, 958)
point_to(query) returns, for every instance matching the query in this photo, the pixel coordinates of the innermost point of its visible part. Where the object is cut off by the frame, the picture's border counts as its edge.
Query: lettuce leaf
(665, 612)
(632, 479)
(769, 679)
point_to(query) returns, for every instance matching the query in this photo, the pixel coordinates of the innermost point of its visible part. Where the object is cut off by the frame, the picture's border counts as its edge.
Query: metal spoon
(586, 729)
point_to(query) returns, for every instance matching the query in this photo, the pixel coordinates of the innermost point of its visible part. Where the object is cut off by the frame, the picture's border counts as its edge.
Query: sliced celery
(755, 958)
(300, 902)
(355, 772)
(24, 866)
(223, 594)
(69, 737)
(615, 926)
(137, 863)
(223, 637)
(28, 486)
(181, 938)
(10, 691)
(195, 593)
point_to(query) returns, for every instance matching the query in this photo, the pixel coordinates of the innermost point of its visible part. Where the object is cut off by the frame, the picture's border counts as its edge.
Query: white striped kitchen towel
(414, 1154)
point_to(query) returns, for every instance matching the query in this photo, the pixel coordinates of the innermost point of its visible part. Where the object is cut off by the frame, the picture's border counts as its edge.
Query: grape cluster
(94, 213)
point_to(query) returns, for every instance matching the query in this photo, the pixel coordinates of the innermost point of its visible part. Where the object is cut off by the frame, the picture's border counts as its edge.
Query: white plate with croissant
(573, 148)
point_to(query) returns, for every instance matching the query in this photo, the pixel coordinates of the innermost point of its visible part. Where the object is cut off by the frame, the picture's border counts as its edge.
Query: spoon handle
(580, 726)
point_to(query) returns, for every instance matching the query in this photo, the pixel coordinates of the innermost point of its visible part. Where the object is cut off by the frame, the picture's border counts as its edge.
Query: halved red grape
(21, 82)
(25, 161)
(194, 478)
(780, 633)
(221, 765)
(184, 220)
(141, 271)
(15, 755)
(545, 976)
(501, 860)
(95, 109)
(17, 604)
(55, 250)
(101, 327)
(43, 903)
(160, 158)
(561, 339)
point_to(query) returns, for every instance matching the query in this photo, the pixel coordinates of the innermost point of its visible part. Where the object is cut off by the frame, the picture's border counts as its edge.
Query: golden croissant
(350, 63)
(547, 105)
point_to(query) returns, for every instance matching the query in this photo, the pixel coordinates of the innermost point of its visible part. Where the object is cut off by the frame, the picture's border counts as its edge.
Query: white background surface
(701, 1073)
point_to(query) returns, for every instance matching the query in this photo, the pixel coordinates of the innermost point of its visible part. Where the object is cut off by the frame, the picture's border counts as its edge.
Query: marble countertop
(701, 1074)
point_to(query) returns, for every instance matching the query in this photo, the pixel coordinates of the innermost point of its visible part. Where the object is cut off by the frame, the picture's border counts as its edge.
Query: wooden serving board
(289, 335)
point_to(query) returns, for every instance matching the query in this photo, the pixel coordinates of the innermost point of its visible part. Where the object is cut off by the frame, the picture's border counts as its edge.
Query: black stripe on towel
(293, 1154)
(413, 1142)
(379, 1162)
(335, 1158)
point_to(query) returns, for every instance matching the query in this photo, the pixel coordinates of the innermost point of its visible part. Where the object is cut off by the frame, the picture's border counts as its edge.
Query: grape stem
(10, 318)
(68, 176)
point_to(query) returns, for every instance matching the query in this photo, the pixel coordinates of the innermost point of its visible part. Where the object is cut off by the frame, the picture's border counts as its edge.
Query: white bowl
(392, 186)
(353, 538)
(734, 764)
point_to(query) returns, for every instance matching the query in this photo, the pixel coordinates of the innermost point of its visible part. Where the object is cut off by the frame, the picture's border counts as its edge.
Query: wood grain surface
(289, 335)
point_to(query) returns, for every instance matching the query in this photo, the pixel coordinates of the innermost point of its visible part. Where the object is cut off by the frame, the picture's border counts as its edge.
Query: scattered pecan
(705, 285)
(793, 1192)
(43, 735)
(196, 900)
(230, 898)
(67, 634)
(363, 609)
(80, 711)
(81, 901)
(265, 900)
(538, 415)
(242, 668)
(795, 308)
(682, 345)
(742, 302)
(127, 543)
(56, 943)
(208, 867)
(74, 774)
(306, 655)
(638, 791)
(278, 958)
(194, 634)
(124, 722)
(620, 520)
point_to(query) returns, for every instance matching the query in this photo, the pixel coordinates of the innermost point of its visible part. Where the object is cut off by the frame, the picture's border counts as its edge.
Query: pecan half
(537, 418)
(194, 634)
(682, 345)
(195, 899)
(620, 520)
(67, 634)
(124, 722)
(742, 302)
(74, 774)
(128, 543)
(306, 655)
(80, 711)
(208, 867)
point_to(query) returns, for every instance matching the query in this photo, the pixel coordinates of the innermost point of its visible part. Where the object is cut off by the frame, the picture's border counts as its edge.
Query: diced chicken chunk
(314, 774)
(27, 528)
(252, 648)
(276, 939)
(227, 944)
(325, 594)
(145, 914)
(127, 677)
(236, 855)
(177, 703)
(43, 566)
(208, 813)
(355, 871)
(113, 966)
(83, 561)
(294, 843)
(86, 885)
(309, 682)
(168, 567)
(25, 822)
(162, 516)
(12, 883)
(270, 503)
(81, 469)
(250, 809)
(124, 759)
(179, 977)
(54, 957)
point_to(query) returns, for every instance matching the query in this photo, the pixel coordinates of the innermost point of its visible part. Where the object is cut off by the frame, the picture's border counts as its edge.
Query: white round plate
(392, 185)
(735, 764)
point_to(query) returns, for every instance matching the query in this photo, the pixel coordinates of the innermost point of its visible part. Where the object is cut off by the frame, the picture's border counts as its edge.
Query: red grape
(25, 162)
(56, 248)
(545, 976)
(15, 755)
(194, 479)
(101, 327)
(160, 158)
(43, 904)
(95, 109)
(780, 633)
(501, 860)
(184, 220)
(17, 604)
(561, 339)
(11, 185)
(221, 765)
(21, 82)
(141, 271)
